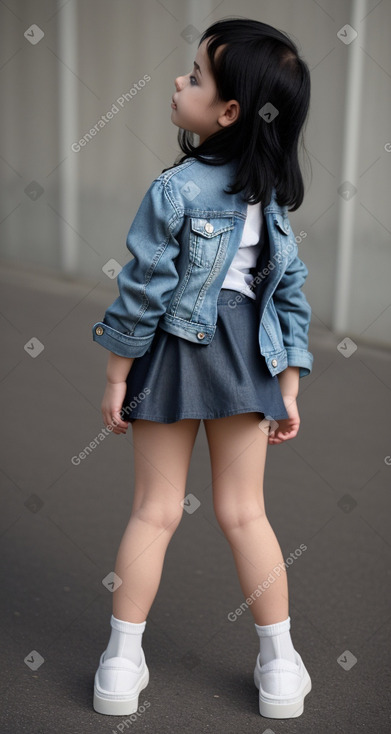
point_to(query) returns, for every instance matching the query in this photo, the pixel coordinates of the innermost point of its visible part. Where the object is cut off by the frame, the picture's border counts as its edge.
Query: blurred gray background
(65, 212)
(70, 211)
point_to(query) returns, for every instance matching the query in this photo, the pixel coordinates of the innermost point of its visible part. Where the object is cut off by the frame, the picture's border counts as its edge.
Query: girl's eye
(193, 80)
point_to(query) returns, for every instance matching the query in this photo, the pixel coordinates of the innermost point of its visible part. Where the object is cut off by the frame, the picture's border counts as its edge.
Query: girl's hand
(111, 406)
(287, 427)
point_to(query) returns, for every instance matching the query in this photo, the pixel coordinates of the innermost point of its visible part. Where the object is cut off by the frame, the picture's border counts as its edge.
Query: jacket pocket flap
(281, 222)
(211, 227)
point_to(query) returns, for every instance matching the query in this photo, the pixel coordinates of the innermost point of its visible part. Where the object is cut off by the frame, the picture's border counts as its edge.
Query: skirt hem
(226, 414)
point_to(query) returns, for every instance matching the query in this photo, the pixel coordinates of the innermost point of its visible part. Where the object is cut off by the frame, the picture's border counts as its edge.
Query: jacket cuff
(300, 358)
(119, 343)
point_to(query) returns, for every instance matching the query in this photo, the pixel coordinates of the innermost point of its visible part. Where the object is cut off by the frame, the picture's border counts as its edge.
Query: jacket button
(99, 331)
(209, 228)
(200, 335)
(274, 363)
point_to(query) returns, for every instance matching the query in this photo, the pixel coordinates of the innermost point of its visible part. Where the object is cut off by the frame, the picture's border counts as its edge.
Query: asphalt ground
(61, 524)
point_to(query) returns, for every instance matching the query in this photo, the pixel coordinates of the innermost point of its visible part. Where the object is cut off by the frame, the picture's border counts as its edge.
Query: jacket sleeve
(294, 313)
(146, 282)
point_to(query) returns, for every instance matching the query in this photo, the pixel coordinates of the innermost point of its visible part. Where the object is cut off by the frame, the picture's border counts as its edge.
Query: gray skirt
(177, 378)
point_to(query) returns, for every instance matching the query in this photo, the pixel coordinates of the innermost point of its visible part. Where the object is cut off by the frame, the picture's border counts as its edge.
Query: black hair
(261, 68)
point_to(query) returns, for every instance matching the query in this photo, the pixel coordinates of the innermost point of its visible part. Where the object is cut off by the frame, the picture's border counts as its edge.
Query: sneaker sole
(274, 710)
(115, 704)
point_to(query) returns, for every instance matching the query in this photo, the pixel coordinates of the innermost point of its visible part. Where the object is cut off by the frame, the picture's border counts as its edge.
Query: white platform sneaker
(282, 686)
(117, 685)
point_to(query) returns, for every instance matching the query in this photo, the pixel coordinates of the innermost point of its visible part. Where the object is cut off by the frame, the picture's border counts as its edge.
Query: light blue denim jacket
(183, 239)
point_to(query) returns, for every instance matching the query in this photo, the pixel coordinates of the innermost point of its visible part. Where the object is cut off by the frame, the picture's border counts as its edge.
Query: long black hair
(261, 68)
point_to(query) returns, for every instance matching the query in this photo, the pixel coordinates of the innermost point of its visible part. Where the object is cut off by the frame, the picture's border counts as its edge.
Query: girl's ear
(230, 114)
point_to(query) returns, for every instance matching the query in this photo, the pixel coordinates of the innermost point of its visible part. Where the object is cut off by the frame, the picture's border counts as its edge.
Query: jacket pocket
(206, 237)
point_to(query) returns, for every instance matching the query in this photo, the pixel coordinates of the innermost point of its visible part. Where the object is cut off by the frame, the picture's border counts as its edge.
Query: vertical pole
(68, 125)
(350, 150)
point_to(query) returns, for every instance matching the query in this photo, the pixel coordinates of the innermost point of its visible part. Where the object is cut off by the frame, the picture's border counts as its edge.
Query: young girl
(211, 324)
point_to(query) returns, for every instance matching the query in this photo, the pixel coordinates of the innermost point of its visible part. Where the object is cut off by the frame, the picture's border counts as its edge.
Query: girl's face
(193, 105)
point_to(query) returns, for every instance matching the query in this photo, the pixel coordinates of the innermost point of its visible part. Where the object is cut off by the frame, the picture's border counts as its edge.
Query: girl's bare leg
(162, 454)
(237, 449)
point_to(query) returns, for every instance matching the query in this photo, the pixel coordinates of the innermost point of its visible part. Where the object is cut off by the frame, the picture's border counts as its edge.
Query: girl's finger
(117, 420)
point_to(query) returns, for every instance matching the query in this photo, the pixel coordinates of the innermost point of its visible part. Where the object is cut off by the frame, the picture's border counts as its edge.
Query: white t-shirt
(239, 277)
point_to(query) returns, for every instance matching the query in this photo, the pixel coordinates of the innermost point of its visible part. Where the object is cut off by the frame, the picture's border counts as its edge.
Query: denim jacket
(183, 239)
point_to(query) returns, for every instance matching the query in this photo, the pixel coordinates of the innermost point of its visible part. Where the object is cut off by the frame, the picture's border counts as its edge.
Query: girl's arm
(289, 382)
(116, 373)
(294, 315)
(145, 285)
(287, 427)
(118, 367)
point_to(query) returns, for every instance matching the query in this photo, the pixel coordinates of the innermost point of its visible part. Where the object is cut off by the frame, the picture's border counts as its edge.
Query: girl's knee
(163, 515)
(234, 515)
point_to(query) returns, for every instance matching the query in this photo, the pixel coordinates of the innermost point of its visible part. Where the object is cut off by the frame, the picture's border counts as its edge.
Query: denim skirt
(177, 378)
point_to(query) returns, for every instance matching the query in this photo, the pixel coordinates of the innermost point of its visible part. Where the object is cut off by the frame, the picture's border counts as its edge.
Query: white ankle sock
(125, 640)
(275, 641)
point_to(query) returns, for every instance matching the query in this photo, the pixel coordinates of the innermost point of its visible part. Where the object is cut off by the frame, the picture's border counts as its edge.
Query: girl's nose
(179, 83)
